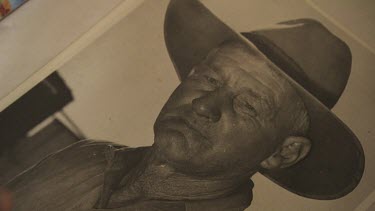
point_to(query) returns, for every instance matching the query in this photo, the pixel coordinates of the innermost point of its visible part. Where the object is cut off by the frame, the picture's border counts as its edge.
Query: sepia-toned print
(247, 102)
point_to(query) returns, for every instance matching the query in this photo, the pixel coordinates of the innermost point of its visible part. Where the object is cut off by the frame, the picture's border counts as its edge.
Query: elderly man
(236, 112)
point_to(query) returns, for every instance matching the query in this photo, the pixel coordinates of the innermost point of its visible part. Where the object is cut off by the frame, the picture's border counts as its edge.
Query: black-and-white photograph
(187, 105)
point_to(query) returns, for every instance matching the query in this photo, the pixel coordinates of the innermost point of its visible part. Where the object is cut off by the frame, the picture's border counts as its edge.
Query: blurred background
(8, 6)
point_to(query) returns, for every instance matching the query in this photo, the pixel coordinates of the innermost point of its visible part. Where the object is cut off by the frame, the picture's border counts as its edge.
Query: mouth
(177, 122)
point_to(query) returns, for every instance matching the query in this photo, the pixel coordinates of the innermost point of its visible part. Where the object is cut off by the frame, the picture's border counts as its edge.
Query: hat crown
(304, 49)
(310, 54)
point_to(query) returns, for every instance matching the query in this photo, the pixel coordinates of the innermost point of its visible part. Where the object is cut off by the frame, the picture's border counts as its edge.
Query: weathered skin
(233, 115)
(238, 110)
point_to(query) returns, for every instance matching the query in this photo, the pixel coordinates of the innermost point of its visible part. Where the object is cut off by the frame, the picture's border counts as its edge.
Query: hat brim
(335, 163)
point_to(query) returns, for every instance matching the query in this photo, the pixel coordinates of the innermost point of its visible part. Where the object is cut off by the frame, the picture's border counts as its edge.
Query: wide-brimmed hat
(315, 62)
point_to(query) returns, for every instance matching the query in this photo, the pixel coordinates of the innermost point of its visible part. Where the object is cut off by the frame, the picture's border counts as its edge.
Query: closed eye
(242, 104)
(212, 81)
(248, 109)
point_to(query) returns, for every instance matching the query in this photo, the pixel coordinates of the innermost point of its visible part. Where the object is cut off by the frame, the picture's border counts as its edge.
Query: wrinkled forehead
(246, 65)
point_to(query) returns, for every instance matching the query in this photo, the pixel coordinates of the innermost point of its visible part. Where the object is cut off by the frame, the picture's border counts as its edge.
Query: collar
(122, 159)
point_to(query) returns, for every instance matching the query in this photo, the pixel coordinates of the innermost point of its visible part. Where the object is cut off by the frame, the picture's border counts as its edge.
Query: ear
(292, 150)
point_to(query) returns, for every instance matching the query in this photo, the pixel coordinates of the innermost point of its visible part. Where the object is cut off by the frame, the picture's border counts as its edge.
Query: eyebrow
(222, 68)
(251, 92)
(270, 100)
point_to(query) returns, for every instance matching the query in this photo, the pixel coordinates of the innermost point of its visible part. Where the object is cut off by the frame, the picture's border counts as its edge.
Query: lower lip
(178, 124)
(174, 123)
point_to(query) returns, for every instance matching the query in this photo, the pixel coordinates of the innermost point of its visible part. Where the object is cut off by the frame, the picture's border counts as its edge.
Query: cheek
(241, 145)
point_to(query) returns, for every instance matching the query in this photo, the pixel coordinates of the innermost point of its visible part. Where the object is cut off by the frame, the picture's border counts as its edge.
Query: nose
(208, 106)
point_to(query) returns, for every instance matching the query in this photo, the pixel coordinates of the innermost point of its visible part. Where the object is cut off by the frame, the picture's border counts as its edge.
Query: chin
(171, 145)
(183, 154)
(183, 160)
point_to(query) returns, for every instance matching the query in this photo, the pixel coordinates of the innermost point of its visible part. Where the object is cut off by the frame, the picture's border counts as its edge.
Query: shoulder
(72, 156)
(81, 156)
(64, 177)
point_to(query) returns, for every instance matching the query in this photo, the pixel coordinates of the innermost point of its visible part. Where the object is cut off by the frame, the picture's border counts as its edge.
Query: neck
(152, 179)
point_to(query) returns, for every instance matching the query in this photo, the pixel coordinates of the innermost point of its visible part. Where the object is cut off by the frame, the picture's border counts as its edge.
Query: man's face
(227, 116)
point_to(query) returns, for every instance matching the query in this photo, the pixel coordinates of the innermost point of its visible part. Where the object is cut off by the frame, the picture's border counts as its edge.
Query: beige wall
(121, 81)
(38, 31)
